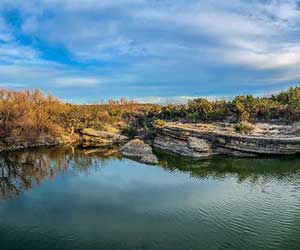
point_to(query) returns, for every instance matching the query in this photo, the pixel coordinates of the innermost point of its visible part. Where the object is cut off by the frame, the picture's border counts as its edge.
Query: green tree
(201, 107)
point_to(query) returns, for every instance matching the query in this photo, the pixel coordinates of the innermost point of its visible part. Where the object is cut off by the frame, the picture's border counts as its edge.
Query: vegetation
(243, 127)
(33, 114)
(30, 114)
(159, 123)
(283, 108)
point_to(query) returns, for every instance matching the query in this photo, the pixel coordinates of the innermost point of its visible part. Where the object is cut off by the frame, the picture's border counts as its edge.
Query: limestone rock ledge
(204, 140)
(96, 138)
(16, 143)
(189, 147)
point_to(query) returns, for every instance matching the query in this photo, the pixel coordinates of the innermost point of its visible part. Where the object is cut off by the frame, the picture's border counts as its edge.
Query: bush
(202, 107)
(243, 127)
(159, 123)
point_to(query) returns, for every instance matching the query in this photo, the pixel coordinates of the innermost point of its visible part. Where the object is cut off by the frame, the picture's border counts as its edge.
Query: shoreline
(195, 141)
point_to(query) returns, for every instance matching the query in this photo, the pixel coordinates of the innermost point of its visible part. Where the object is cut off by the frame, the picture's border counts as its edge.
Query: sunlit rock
(96, 138)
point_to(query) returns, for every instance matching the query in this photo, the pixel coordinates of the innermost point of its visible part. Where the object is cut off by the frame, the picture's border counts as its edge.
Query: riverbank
(19, 143)
(84, 138)
(192, 140)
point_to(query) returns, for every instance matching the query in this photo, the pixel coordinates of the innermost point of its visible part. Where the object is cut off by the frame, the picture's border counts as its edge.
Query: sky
(149, 50)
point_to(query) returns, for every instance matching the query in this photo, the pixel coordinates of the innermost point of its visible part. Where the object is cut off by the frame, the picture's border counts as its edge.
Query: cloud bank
(148, 48)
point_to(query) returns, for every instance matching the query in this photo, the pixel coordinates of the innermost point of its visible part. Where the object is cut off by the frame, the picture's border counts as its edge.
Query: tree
(201, 107)
(246, 107)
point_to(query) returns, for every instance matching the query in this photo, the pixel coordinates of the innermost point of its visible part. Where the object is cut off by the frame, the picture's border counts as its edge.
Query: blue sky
(149, 50)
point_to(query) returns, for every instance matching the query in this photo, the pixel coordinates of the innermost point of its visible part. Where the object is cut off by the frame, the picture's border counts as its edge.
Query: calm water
(70, 199)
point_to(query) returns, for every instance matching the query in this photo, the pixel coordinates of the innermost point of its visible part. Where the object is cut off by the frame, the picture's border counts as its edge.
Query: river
(69, 199)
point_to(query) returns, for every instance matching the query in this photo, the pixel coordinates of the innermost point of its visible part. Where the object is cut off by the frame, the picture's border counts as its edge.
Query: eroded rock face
(15, 143)
(96, 138)
(200, 145)
(137, 148)
(192, 147)
(202, 140)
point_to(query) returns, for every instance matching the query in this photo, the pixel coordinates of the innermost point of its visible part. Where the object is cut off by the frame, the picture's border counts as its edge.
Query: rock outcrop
(95, 138)
(203, 140)
(16, 143)
(138, 149)
(190, 147)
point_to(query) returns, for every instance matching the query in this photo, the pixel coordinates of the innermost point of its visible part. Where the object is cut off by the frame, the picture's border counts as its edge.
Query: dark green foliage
(284, 108)
(243, 127)
(200, 108)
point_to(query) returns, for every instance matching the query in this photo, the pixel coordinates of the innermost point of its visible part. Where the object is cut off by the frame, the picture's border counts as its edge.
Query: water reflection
(244, 169)
(21, 170)
(100, 201)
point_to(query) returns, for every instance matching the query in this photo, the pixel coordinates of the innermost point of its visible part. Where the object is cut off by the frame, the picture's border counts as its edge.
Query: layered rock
(16, 143)
(95, 138)
(138, 149)
(190, 147)
(202, 140)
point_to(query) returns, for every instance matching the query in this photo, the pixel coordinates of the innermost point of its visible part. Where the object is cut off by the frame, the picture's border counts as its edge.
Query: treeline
(283, 107)
(32, 114)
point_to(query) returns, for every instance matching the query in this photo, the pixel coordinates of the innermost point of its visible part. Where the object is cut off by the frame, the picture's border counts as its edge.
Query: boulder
(138, 149)
(149, 159)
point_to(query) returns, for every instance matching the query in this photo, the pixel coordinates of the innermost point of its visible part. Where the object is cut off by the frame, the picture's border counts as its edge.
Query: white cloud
(124, 28)
(151, 39)
(176, 99)
(280, 59)
(75, 82)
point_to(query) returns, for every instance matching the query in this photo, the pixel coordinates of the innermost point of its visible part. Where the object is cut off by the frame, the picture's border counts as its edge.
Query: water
(62, 198)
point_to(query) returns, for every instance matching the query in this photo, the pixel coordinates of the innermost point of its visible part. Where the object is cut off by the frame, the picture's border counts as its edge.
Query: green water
(63, 199)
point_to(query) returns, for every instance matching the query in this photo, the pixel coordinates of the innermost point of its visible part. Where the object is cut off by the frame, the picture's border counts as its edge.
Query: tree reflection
(21, 170)
(244, 169)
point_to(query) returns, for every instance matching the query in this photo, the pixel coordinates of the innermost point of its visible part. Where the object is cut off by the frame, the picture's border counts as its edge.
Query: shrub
(202, 107)
(159, 123)
(243, 127)
(30, 113)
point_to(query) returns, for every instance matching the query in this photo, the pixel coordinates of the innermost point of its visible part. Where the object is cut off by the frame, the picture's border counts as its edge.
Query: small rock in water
(149, 159)
(137, 148)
